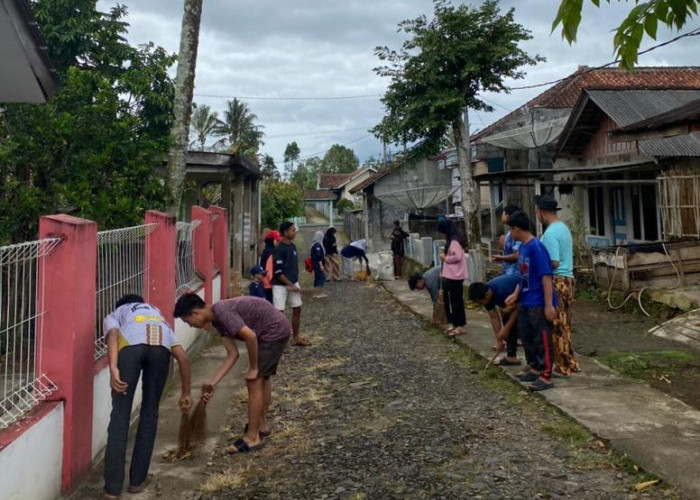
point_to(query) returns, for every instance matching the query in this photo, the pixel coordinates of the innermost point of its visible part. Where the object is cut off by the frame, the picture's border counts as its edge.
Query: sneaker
(541, 385)
(529, 377)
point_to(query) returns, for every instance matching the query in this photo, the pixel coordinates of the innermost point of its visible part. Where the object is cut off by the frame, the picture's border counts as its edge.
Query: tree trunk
(182, 107)
(470, 191)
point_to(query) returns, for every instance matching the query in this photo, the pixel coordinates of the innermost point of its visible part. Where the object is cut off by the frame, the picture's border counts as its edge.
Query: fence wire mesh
(22, 382)
(186, 278)
(121, 270)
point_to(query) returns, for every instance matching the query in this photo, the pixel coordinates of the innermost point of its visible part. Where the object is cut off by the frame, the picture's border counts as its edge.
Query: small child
(256, 288)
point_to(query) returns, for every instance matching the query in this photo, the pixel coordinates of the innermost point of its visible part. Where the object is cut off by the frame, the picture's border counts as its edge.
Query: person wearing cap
(509, 259)
(559, 243)
(255, 288)
(272, 238)
(536, 304)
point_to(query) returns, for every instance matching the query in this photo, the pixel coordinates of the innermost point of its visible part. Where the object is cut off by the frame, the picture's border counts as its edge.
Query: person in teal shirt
(559, 244)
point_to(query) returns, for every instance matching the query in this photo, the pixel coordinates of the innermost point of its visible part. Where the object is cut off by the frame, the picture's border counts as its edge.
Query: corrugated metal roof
(626, 107)
(685, 113)
(679, 145)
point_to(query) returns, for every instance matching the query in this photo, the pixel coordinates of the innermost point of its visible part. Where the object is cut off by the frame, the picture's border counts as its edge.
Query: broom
(439, 315)
(198, 421)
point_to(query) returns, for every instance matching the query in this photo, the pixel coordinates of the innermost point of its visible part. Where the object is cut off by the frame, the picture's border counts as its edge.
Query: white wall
(30, 467)
(216, 289)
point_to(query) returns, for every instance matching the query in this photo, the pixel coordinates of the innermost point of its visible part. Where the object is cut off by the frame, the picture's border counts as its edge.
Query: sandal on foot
(456, 332)
(262, 434)
(140, 487)
(529, 377)
(109, 495)
(240, 446)
(541, 385)
(504, 362)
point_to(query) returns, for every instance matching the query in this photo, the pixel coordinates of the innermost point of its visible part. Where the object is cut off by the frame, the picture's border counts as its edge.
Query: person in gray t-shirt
(429, 280)
(265, 331)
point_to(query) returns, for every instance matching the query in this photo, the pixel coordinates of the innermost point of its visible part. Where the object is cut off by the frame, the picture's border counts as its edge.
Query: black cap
(546, 202)
(519, 220)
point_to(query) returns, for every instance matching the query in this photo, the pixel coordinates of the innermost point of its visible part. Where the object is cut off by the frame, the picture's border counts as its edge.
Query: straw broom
(198, 420)
(439, 315)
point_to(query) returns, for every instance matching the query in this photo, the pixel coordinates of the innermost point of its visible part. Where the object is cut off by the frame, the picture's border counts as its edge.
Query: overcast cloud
(325, 48)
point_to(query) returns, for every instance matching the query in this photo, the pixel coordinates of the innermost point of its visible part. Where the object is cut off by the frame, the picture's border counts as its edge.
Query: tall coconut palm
(238, 130)
(203, 123)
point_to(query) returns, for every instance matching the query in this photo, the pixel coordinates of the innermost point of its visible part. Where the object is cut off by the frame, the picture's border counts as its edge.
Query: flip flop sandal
(262, 434)
(540, 385)
(453, 333)
(242, 447)
(504, 362)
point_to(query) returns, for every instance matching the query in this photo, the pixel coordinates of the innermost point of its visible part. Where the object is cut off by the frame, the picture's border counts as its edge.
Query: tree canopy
(339, 159)
(238, 130)
(642, 20)
(280, 201)
(443, 67)
(203, 124)
(94, 149)
(269, 169)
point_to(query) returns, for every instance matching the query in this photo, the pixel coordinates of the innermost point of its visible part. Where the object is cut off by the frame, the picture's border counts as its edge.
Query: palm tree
(238, 130)
(203, 123)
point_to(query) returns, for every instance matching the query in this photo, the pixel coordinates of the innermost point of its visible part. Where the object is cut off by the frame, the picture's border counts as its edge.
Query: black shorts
(269, 354)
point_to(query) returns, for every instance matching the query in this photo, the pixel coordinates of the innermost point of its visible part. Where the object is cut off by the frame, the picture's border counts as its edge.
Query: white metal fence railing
(186, 278)
(22, 381)
(121, 269)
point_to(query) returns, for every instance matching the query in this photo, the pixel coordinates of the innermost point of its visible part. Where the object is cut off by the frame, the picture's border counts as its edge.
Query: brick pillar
(204, 247)
(221, 248)
(161, 247)
(67, 295)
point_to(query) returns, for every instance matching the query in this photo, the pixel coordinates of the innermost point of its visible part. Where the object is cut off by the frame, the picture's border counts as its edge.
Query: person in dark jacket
(318, 263)
(272, 238)
(398, 236)
(355, 250)
(330, 248)
(255, 288)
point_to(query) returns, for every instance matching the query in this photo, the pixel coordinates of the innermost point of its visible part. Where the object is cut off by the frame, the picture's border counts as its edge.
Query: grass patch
(641, 365)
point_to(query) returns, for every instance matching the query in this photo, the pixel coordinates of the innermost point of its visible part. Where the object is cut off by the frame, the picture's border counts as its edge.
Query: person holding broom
(139, 344)
(265, 331)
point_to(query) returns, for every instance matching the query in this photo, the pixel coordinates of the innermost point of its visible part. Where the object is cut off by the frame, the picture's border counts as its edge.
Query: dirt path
(381, 407)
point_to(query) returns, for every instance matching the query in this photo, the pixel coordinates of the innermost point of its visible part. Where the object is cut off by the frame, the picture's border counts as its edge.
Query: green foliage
(269, 169)
(238, 130)
(92, 151)
(647, 364)
(443, 67)
(304, 175)
(339, 160)
(344, 205)
(280, 201)
(642, 19)
(203, 124)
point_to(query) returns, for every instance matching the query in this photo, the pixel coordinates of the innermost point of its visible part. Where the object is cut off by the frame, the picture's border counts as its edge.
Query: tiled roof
(566, 93)
(319, 194)
(334, 181)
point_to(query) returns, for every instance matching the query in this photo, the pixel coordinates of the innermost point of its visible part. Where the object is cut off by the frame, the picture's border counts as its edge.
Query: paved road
(381, 407)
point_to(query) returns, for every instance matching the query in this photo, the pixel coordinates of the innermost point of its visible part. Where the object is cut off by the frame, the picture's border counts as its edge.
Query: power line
(322, 153)
(694, 32)
(324, 132)
(291, 98)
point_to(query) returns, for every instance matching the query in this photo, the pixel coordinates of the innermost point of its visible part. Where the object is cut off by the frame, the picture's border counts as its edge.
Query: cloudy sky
(312, 50)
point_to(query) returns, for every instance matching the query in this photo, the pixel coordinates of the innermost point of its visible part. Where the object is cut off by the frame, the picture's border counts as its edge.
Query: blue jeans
(153, 363)
(319, 276)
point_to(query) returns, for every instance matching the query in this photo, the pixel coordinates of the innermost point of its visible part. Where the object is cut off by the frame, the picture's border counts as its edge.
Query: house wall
(601, 144)
(357, 197)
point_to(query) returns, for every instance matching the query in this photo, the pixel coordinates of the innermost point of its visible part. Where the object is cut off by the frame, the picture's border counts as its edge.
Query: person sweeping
(265, 331)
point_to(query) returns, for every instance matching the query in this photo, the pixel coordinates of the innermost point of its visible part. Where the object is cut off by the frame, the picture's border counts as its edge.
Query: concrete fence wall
(53, 447)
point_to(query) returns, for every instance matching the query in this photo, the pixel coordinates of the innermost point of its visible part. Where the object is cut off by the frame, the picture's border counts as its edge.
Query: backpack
(309, 265)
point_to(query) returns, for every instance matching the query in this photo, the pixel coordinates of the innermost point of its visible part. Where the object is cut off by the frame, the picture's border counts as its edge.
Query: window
(596, 211)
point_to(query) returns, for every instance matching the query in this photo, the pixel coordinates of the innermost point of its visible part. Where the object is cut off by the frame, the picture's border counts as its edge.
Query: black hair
(520, 220)
(188, 303)
(397, 223)
(477, 291)
(449, 229)
(284, 226)
(129, 298)
(511, 209)
(413, 280)
(331, 231)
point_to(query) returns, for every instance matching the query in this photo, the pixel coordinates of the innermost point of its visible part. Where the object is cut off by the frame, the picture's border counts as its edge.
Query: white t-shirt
(140, 323)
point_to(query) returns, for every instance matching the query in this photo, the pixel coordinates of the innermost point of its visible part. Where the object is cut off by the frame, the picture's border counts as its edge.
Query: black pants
(454, 302)
(268, 295)
(152, 362)
(536, 334)
(513, 335)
